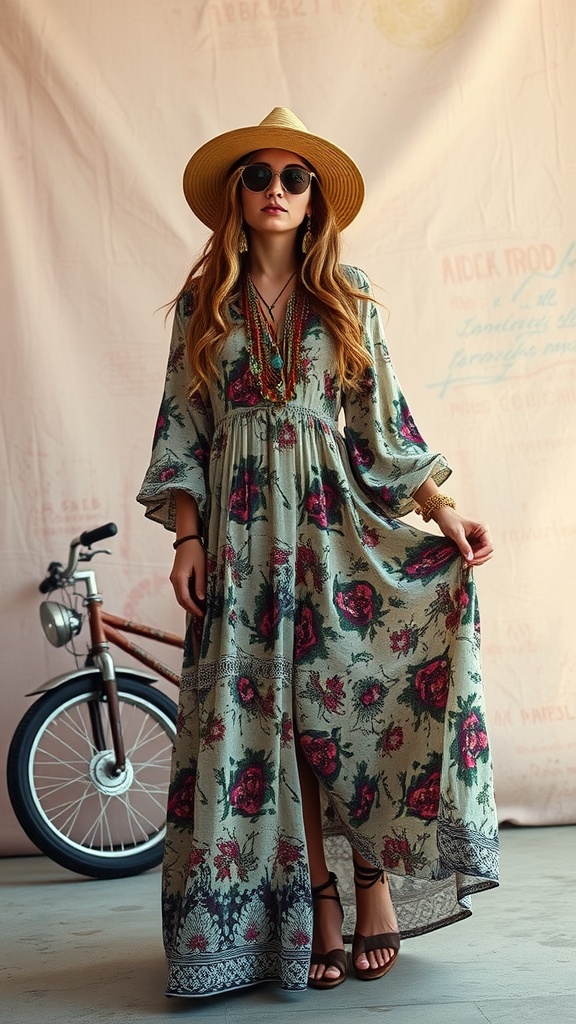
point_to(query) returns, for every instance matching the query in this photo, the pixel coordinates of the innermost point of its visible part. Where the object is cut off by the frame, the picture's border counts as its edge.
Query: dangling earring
(307, 238)
(242, 241)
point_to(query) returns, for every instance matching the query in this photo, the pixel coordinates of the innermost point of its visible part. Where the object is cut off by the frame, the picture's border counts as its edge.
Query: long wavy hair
(215, 279)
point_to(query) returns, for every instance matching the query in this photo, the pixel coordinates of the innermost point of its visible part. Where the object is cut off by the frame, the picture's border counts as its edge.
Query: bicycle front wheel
(64, 792)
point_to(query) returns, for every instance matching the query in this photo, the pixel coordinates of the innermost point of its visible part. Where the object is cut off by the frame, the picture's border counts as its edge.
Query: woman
(331, 679)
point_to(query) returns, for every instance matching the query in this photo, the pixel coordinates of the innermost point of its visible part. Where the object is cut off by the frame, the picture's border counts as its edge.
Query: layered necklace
(279, 296)
(274, 356)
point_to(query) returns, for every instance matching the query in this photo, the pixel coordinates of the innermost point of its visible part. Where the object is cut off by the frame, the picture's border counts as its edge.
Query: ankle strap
(365, 878)
(317, 889)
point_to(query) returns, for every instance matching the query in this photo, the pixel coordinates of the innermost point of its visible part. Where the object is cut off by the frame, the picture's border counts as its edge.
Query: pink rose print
(370, 537)
(391, 740)
(196, 858)
(333, 694)
(401, 641)
(268, 622)
(243, 389)
(247, 493)
(287, 854)
(321, 752)
(229, 854)
(305, 638)
(423, 797)
(408, 428)
(248, 790)
(181, 797)
(359, 451)
(473, 740)
(461, 603)
(244, 499)
(279, 557)
(320, 504)
(371, 695)
(431, 683)
(287, 436)
(215, 731)
(398, 849)
(307, 561)
(287, 732)
(329, 386)
(429, 559)
(246, 691)
(364, 799)
(355, 603)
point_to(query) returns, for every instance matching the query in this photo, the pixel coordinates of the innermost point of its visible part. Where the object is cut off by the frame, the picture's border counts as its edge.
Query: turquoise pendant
(276, 361)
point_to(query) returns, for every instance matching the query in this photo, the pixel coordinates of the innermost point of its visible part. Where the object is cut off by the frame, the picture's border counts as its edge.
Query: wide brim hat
(207, 170)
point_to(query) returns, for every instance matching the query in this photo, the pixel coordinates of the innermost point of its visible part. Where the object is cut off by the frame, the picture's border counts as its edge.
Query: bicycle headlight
(59, 623)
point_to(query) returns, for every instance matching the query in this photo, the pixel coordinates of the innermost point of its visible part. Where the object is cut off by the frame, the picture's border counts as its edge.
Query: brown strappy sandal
(335, 957)
(365, 878)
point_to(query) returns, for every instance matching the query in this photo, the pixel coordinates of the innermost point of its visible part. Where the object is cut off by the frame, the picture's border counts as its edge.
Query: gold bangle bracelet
(434, 502)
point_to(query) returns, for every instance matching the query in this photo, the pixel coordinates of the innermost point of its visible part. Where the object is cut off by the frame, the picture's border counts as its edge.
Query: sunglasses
(257, 178)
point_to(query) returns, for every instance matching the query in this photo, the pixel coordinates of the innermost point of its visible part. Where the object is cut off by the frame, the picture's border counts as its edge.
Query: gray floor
(78, 951)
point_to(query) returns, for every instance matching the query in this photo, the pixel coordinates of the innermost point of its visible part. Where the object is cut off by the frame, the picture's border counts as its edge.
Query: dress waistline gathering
(293, 410)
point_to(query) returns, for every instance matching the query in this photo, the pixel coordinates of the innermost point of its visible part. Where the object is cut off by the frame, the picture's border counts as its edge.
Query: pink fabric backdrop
(460, 113)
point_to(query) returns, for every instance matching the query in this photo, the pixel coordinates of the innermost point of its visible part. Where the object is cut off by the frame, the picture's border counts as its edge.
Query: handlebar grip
(92, 536)
(53, 580)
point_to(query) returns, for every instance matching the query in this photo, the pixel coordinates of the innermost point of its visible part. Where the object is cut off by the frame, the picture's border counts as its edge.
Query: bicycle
(89, 763)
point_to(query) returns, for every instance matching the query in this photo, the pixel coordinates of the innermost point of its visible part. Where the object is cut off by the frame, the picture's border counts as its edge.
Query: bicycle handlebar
(56, 574)
(93, 536)
(52, 581)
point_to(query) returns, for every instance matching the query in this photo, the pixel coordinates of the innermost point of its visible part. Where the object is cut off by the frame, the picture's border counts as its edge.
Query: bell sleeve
(388, 456)
(182, 439)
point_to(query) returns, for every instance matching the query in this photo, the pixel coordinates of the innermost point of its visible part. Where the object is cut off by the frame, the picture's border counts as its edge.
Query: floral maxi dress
(331, 623)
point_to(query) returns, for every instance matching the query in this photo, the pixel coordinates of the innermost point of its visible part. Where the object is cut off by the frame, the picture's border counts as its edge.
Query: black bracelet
(189, 536)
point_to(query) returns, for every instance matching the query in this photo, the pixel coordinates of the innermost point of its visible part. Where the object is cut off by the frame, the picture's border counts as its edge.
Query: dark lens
(256, 177)
(295, 180)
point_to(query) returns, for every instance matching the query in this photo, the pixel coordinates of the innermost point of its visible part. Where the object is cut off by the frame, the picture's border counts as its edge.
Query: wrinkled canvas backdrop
(461, 115)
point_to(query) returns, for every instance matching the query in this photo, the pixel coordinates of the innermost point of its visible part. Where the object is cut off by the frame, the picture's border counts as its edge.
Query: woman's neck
(272, 258)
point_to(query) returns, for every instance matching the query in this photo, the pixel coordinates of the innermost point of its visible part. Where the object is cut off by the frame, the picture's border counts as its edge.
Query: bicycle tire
(104, 827)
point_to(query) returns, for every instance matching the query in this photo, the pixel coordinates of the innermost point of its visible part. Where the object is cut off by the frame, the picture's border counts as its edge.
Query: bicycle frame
(113, 624)
(106, 629)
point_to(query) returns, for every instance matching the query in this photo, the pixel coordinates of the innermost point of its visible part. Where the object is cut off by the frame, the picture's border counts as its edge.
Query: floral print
(330, 624)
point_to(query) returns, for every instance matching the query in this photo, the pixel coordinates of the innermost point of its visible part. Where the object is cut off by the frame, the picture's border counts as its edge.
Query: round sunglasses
(257, 178)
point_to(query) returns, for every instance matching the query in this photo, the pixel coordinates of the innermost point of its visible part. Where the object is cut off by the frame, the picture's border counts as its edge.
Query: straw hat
(206, 172)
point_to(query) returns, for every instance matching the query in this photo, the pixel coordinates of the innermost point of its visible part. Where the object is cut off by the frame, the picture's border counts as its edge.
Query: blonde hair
(215, 277)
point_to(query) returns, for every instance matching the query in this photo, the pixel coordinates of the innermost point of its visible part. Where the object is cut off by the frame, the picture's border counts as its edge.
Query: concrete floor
(77, 951)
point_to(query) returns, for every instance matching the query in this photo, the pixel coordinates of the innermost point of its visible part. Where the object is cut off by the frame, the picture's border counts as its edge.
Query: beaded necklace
(274, 359)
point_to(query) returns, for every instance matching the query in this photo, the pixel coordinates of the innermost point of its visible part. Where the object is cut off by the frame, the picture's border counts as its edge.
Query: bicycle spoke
(138, 816)
(88, 839)
(73, 789)
(47, 789)
(154, 732)
(77, 725)
(160, 804)
(75, 807)
(161, 762)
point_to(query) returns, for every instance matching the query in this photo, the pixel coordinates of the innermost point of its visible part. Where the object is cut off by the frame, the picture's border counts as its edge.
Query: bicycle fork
(100, 655)
(105, 665)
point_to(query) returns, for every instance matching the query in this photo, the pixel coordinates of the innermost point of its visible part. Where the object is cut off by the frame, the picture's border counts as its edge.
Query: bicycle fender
(78, 673)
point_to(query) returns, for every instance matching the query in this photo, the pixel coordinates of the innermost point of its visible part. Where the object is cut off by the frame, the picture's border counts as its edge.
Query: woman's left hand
(473, 539)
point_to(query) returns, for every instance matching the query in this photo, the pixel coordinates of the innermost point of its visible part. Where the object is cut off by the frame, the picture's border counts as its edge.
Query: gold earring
(307, 238)
(242, 241)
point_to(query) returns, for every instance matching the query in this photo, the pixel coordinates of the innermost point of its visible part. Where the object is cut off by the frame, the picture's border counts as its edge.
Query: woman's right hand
(188, 577)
